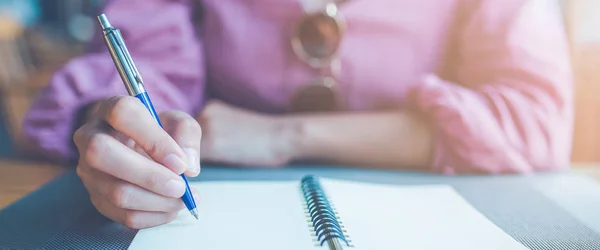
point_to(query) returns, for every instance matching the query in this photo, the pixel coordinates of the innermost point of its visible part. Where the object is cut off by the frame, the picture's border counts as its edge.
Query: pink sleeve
(162, 41)
(511, 108)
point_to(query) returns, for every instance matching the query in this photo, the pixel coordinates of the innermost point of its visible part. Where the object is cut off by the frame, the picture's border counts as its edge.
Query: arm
(509, 111)
(386, 139)
(162, 41)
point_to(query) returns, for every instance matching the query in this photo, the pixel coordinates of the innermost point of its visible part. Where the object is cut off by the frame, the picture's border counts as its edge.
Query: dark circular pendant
(316, 97)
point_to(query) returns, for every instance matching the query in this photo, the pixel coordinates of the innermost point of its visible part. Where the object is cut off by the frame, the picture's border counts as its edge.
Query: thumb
(187, 133)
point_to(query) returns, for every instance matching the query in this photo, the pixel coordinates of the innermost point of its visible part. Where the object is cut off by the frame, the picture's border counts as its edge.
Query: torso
(388, 46)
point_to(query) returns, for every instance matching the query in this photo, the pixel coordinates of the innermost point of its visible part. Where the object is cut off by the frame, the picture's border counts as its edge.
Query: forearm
(387, 139)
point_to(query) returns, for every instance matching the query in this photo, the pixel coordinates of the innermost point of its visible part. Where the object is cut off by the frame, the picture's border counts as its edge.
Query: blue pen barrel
(187, 196)
(143, 97)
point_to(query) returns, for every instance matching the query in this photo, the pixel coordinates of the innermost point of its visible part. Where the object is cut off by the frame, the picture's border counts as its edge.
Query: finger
(80, 137)
(132, 218)
(83, 172)
(129, 116)
(128, 196)
(101, 126)
(186, 131)
(105, 154)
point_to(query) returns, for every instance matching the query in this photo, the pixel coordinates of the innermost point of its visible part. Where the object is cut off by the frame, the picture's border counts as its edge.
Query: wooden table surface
(18, 179)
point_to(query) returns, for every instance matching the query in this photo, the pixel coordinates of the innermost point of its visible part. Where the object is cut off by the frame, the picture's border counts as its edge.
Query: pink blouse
(493, 75)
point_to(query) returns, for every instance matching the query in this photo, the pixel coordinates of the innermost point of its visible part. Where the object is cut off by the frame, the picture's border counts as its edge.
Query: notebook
(326, 214)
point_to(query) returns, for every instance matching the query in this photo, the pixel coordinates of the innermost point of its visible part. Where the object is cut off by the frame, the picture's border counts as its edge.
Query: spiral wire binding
(321, 213)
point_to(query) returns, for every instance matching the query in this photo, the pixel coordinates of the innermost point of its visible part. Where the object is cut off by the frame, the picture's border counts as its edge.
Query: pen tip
(194, 212)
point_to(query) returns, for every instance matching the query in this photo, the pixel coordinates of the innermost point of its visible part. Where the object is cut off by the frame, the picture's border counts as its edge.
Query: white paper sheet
(269, 215)
(412, 217)
(236, 215)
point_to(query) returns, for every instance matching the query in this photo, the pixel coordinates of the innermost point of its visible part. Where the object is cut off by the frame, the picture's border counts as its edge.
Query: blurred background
(39, 36)
(36, 37)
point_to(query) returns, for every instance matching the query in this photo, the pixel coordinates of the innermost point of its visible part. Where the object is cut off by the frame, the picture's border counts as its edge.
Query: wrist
(289, 133)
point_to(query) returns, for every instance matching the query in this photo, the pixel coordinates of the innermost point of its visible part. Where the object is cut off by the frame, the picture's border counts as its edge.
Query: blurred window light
(25, 12)
(81, 27)
(586, 20)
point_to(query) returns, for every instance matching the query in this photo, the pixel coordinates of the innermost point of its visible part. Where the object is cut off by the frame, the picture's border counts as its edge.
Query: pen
(135, 87)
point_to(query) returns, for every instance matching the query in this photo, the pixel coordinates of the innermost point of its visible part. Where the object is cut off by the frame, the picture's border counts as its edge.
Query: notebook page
(236, 215)
(412, 217)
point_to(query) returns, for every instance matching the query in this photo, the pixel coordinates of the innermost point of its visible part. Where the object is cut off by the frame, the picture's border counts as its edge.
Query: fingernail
(175, 188)
(193, 160)
(175, 163)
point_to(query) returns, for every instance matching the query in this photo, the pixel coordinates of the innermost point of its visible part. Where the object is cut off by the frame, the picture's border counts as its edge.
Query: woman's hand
(131, 166)
(236, 136)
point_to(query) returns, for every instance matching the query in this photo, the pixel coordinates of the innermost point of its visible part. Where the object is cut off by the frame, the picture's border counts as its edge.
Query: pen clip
(127, 57)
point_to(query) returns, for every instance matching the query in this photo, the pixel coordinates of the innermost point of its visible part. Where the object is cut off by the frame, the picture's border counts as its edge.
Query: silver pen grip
(122, 59)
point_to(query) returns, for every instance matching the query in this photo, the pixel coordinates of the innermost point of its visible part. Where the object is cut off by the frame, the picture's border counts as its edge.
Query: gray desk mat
(60, 215)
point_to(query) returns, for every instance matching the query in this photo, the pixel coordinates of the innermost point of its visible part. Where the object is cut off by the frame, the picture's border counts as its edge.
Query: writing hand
(131, 166)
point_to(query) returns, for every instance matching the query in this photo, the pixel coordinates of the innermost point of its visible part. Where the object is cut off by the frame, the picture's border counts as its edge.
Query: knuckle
(209, 105)
(213, 106)
(97, 202)
(156, 147)
(130, 219)
(80, 172)
(79, 135)
(154, 180)
(119, 107)
(97, 146)
(186, 124)
(120, 196)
